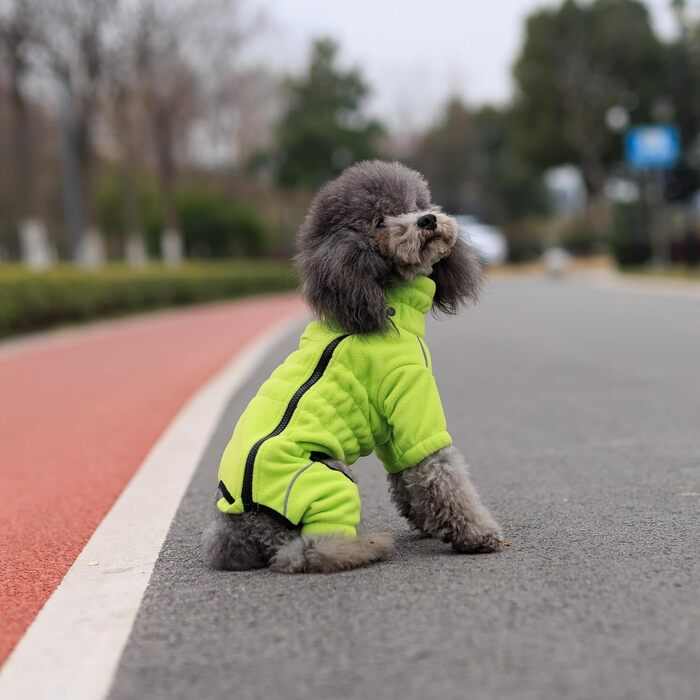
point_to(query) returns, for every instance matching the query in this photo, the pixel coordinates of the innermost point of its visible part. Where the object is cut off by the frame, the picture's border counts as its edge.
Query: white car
(490, 243)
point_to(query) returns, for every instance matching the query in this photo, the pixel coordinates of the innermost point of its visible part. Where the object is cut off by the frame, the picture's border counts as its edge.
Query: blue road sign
(652, 147)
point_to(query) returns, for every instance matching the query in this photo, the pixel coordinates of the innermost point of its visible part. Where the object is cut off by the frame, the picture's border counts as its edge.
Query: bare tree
(123, 107)
(186, 57)
(73, 46)
(169, 93)
(249, 104)
(123, 110)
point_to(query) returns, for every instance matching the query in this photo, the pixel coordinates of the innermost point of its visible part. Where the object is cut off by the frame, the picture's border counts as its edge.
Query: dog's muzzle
(427, 221)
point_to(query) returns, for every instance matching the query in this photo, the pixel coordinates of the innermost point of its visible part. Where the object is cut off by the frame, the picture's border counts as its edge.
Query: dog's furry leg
(439, 499)
(241, 542)
(402, 500)
(328, 553)
(325, 554)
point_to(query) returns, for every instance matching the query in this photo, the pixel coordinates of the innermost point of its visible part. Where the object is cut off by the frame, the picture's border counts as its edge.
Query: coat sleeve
(411, 404)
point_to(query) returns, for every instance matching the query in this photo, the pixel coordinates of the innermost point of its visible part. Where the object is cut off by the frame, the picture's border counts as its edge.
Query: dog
(374, 256)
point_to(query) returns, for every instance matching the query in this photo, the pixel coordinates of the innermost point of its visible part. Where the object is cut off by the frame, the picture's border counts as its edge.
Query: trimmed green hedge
(34, 300)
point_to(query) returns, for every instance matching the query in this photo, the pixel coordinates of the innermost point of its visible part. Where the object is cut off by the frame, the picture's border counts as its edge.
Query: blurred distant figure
(556, 261)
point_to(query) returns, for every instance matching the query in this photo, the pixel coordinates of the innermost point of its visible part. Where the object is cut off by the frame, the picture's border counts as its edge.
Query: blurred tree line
(577, 62)
(142, 128)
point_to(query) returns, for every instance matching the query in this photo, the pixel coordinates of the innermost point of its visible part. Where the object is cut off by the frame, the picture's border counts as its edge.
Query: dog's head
(371, 228)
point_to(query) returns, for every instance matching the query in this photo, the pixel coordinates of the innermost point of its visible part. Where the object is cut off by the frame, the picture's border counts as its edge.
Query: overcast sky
(415, 53)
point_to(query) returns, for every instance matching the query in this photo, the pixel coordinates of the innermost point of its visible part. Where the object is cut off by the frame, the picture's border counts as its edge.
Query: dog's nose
(428, 221)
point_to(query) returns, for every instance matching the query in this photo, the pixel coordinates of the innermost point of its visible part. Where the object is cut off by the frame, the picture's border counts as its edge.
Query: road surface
(578, 408)
(579, 411)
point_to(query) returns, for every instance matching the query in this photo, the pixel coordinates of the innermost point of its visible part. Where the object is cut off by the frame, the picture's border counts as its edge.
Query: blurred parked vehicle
(490, 243)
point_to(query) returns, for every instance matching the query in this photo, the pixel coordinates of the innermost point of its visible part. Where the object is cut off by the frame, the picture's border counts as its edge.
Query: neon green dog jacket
(336, 397)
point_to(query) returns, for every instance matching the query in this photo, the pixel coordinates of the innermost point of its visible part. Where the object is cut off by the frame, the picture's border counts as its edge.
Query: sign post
(651, 150)
(656, 147)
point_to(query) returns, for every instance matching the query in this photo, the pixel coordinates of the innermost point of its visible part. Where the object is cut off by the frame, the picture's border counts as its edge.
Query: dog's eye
(380, 222)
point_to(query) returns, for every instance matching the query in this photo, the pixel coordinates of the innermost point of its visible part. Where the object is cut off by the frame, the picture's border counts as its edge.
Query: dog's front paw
(479, 542)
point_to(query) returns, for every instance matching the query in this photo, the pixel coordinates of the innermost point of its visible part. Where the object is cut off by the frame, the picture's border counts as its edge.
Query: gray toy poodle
(375, 255)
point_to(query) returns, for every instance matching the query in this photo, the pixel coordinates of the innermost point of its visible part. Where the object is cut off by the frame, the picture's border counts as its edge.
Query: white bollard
(91, 252)
(171, 246)
(136, 254)
(37, 253)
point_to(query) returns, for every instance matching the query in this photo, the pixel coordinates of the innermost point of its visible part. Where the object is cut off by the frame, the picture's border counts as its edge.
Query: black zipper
(247, 488)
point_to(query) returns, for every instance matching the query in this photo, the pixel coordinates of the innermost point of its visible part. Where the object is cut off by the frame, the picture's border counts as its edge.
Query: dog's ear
(341, 281)
(457, 278)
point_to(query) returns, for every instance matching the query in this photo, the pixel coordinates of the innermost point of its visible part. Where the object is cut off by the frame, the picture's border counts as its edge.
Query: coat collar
(410, 301)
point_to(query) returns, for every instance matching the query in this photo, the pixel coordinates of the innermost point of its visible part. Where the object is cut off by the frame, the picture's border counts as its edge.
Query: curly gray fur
(438, 498)
(326, 554)
(255, 541)
(241, 542)
(347, 259)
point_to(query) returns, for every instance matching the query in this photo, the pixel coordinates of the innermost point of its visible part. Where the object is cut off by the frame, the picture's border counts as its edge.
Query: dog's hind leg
(241, 542)
(326, 554)
(329, 539)
(439, 499)
(254, 541)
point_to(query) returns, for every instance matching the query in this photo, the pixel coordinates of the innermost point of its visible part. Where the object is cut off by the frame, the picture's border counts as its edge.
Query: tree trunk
(134, 247)
(31, 231)
(171, 239)
(92, 250)
(71, 179)
(23, 191)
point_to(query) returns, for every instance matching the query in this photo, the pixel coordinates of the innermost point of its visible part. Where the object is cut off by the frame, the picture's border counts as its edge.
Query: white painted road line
(73, 647)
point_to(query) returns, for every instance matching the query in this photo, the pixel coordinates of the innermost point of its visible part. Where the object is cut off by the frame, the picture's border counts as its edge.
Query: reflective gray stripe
(425, 357)
(291, 483)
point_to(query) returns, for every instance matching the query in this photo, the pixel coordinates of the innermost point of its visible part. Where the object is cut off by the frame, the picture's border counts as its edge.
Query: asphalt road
(579, 411)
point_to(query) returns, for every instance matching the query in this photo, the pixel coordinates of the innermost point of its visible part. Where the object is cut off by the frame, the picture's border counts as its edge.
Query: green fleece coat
(337, 397)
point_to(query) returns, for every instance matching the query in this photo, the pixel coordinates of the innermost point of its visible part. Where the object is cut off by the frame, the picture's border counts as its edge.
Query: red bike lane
(78, 414)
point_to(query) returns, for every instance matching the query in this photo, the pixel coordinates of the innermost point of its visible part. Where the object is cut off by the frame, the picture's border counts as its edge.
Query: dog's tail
(325, 554)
